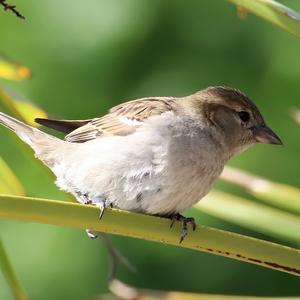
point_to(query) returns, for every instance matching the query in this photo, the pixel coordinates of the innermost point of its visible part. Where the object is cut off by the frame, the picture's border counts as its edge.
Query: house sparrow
(156, 155)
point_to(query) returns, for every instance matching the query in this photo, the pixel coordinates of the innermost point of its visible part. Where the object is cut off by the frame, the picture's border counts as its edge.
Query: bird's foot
(100, 201)
(91, 234)
(184, 221)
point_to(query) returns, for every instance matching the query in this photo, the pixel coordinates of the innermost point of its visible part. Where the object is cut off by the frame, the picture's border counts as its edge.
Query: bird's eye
(244, 116)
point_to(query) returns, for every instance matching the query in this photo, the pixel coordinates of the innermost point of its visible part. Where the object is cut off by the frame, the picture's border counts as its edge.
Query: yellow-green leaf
(212, 240)
(274, 12)
(10, 275)
(277, 194)
(21, 109)
(13, 71)
(121, 290)
(9, 183)
(295, 113)
(29, 112)
(251, 215)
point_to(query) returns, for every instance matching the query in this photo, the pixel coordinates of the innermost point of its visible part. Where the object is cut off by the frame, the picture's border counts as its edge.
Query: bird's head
(234, 118)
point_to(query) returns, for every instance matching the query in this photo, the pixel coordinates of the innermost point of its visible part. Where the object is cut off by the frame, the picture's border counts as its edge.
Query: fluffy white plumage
(158, 169)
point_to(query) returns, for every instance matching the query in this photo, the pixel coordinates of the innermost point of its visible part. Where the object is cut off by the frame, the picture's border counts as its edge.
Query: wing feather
(123, 119)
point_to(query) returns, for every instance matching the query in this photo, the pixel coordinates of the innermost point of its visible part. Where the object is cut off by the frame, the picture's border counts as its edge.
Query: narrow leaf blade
(29, 112)
(274, 12)
(276, 194)
(121, 290)
(10, 275)
(251, 215)
(12, 70)
(214, 241)
(21, 109)
(9, 183)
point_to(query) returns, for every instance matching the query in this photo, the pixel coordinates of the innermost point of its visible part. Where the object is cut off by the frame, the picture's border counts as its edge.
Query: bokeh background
(87, 56)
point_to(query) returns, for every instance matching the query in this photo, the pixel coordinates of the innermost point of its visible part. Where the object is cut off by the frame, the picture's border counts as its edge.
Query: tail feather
(42, 143)
(65, 126)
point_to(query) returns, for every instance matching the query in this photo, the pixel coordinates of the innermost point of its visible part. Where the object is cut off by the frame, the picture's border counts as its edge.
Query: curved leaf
(29, 112)
(121, 290)
(215, 241)
(10, 275)
(23, 110)
(274, 12)
(251, 215)
(11, 70)
(274, 193)
(9, 183)
(295, 114)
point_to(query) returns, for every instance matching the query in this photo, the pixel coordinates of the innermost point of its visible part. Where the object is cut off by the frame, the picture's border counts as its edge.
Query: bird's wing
(122, 119)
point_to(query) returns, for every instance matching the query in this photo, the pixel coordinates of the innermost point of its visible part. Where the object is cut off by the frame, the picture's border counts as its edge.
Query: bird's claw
(101, 206)
(184, 221)
(98, 201)
(91, 234)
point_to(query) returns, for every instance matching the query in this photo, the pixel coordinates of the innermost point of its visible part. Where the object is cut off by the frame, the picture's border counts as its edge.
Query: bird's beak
(265, 135)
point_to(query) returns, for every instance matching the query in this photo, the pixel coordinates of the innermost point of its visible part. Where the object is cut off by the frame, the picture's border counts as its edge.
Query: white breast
(165, 167)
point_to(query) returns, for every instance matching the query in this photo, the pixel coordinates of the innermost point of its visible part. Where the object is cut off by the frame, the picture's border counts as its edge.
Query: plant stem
(219, 242)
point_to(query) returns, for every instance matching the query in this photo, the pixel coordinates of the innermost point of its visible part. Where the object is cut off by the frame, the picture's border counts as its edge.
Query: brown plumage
(121, 120)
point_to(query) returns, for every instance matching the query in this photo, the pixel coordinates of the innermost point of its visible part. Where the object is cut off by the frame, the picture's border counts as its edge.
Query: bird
(156, 155)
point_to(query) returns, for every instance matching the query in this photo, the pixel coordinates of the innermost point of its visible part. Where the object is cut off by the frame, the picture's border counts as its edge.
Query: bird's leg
(184, 221)
(99, 201)
(91, 234)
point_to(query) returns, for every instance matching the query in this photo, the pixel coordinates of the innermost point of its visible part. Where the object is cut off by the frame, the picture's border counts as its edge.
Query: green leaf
(21, 109)
(29, 112)
(215, 241)
(11, 70)
(25, 112)
(274, 12)
(251, 215)
(274, 193)
(9, 183)
(121, 290)
(10, 275)
(295, 114)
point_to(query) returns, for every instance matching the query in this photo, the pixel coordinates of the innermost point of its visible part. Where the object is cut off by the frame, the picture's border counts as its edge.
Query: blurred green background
(87, 56)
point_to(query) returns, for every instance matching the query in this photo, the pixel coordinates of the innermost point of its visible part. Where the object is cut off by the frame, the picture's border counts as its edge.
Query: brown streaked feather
(122, 119)
(65, 126)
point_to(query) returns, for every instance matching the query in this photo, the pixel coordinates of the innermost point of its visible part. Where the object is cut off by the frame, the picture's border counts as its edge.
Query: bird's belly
(153, 177)
(166, 192)
(179, 194)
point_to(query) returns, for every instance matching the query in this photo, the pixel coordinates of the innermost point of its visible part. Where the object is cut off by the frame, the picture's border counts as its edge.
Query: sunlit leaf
(295, 113)
(274, 193)
(13, 71)
(274, 12)
(9, 183)
(26, 112)
(207, 239)
(121, 290)
(251, 215)
(21, 109)
(10, 275)
(29, 111)
(190, 296)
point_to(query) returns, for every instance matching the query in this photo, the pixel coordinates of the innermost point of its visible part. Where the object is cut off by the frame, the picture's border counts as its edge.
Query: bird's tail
(42, 143)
